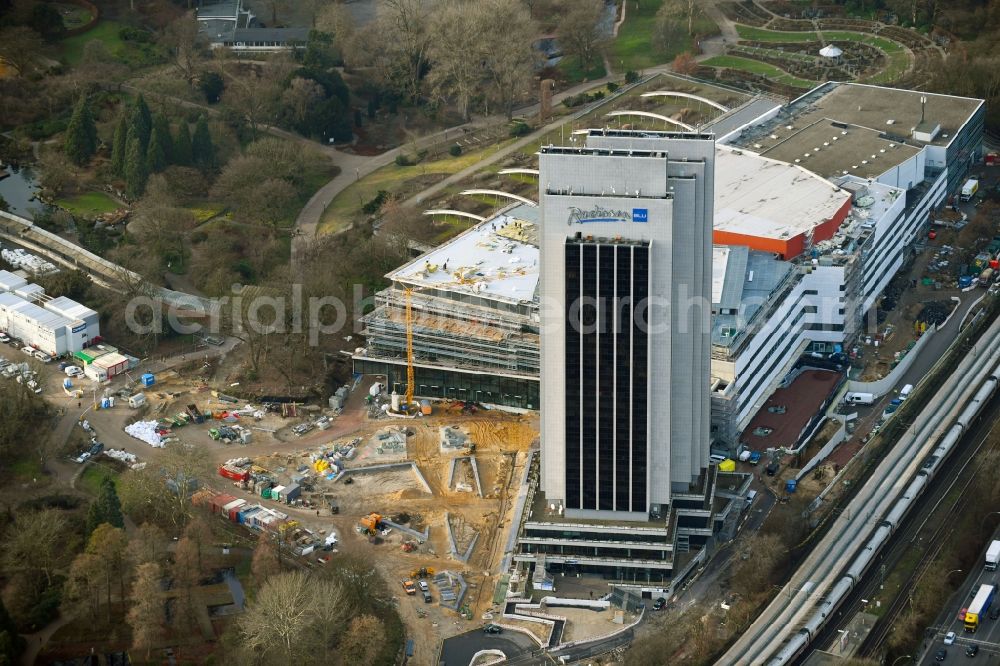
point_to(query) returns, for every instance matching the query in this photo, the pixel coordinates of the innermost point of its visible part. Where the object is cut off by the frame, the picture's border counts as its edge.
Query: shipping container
(220, 501)
(234, 473)
(113, 363)
(246, 514)
(291, 493)
(95, 373)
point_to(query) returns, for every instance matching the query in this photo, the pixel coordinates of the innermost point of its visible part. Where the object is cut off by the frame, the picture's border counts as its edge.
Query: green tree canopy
(118, 146)
(80, 142)
(202, 149)
(182, 146)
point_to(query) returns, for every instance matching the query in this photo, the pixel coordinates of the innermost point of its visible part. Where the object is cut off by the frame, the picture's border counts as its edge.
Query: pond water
(18, 189)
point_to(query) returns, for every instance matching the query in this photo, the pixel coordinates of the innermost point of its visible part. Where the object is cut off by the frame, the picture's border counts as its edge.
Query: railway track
(795, 616)
(960, 474)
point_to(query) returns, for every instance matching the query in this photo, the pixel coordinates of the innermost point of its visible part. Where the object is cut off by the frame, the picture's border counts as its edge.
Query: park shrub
(631, 76)
(520, 128)
(373, 206)
(455, 150)
(403, 160)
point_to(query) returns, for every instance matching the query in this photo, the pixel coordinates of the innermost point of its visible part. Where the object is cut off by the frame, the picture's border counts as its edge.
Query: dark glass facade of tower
(606, 375)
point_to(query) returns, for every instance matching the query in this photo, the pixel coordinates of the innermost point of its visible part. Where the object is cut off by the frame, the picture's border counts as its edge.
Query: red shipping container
(220, 501)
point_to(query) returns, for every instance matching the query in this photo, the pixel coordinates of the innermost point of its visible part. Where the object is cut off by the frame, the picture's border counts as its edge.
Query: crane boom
(409, 348)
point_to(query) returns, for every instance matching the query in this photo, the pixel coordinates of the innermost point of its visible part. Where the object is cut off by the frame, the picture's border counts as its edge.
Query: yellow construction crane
(409, 348)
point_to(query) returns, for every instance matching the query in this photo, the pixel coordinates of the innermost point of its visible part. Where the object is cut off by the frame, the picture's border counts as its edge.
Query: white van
(853, 398)
(905, 392)
(751, 496)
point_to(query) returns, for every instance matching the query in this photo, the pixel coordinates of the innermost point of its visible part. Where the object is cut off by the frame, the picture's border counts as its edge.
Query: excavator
(422, 572)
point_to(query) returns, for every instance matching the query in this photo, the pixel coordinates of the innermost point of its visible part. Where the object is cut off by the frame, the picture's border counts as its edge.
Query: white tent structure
(831, 51)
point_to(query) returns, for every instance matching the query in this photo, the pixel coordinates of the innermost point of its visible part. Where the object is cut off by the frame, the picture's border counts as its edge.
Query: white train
(864, 557)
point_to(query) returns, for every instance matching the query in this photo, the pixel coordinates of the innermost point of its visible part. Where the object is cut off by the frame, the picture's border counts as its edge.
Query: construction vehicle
(422, 572)
(371, 524)
(409, 587)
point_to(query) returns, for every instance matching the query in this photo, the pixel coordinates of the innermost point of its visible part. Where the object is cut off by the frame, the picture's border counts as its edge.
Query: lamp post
(982, 523)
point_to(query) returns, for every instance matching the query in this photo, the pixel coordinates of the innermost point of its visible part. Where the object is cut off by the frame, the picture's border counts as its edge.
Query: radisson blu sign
(598, 214)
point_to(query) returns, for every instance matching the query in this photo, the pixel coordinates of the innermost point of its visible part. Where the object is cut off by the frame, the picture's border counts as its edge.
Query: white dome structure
(830, 51)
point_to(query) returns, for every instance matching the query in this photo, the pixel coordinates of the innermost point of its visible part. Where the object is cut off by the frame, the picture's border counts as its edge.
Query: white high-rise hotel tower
(626, 278)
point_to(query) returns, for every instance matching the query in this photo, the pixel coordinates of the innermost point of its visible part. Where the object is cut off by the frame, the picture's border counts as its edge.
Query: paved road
(988, 635)
(459, 650)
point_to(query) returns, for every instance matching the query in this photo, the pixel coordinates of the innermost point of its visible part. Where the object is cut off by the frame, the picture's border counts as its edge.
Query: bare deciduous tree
(265, 559)
(186, 47)
(579, 29)
(294, 616)
(146, 614)
(397, 43)
(457, 32)
(511, 69)
(36, 541)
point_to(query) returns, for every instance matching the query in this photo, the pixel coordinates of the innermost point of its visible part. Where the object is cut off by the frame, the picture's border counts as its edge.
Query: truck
(979, 606)
(993, 556)
(855, 398)
(195, 414)
(969, 189)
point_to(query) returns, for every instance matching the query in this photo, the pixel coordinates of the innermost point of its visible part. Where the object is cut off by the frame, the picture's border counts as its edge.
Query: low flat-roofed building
(39, 328)
(772, 206)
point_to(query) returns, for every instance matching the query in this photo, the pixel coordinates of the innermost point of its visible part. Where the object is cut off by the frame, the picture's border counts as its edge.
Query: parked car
(660, 604)
(96, 448)
(28, 350)
(426, 591)
(83, 457)
(42, 356)
(492, 629)
(409, 587)
(73, 371)
(212, 340)
(4, 338)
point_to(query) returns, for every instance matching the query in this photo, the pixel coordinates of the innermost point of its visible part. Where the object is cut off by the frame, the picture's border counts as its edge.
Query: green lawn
(758, 67)
(105, 31)
(346, 206)
(633, 49)
(93, 476)
(881, 43)
(26, 469)
(575, 72)
(88, 204)
(762, 35)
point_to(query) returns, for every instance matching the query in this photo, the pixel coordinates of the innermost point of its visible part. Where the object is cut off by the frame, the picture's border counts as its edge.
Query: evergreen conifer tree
(156, 161)
(202, 150)
(135, 166)
(162, 125)
(182, 146)
(118, 146)
(80, 141)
